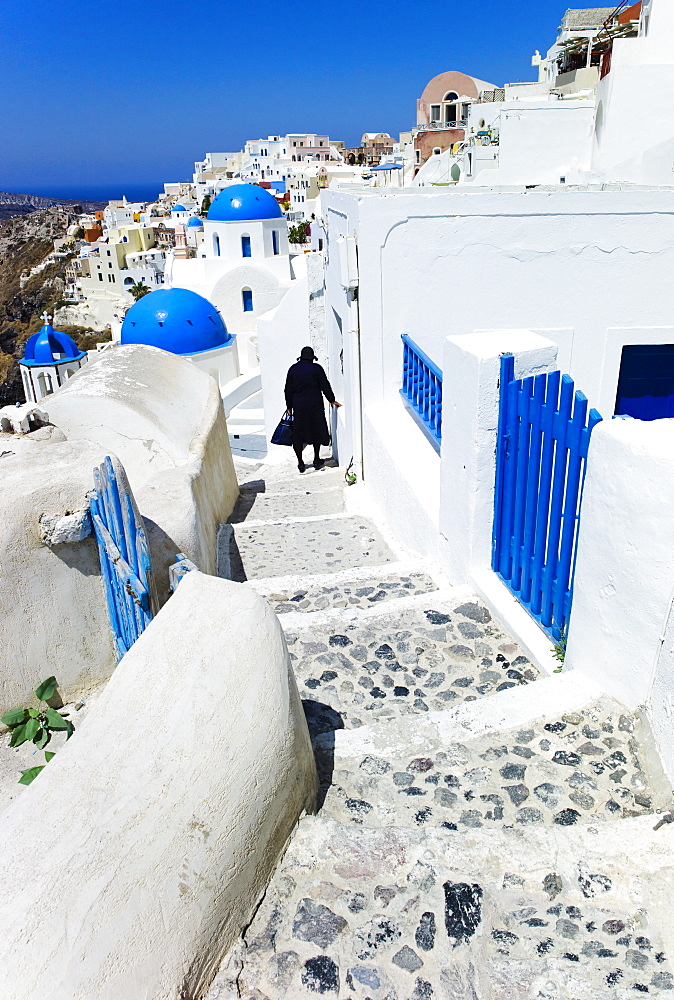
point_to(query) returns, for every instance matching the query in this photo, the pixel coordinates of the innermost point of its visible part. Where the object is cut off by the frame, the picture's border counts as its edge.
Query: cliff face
(12, 204)
(25, 242)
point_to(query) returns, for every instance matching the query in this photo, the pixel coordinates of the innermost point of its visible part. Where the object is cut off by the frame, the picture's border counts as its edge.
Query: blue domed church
(185, 323)
(50, 358)
(239, 261)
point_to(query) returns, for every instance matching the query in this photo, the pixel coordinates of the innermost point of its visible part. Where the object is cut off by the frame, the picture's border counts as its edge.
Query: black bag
(284, 432)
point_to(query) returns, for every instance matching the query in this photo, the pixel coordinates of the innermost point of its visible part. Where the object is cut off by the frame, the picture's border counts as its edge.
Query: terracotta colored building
(442, 109)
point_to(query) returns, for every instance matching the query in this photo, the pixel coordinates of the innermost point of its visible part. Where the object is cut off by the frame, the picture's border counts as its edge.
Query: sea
(101, 192)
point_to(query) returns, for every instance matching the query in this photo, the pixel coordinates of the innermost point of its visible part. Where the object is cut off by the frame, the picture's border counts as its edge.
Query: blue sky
(133, 92)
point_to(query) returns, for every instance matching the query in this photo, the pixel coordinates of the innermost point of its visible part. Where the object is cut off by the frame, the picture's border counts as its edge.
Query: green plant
(79, 233)
(31, 773)
(559, 650)
(300, 233)
(205, 204)
(37, 725)
(138, 290)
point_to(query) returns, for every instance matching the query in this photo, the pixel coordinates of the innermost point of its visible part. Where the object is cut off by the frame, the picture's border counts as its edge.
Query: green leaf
(48, 755)
(46, 689)
(42, 738)
(71, 730)
(55, 720)
(18, 736)
(33, 712)
(15, 717)
(30, 774)
(32, 728)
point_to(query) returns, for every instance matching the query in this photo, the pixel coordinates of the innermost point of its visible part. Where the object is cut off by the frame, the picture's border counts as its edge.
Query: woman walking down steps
(306, 384)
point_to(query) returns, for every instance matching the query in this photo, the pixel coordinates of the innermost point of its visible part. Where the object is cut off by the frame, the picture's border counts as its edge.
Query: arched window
(274, 241)
(451, 96)
(128, 281)
(44, 384)
(247, 300)
(216, 245)
(245, 246)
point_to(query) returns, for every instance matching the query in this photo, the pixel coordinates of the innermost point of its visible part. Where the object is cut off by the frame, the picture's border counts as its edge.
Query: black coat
(306, 384)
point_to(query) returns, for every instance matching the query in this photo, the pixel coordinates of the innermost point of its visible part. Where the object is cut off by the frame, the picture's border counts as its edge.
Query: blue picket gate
(544, 432)
(124, 554)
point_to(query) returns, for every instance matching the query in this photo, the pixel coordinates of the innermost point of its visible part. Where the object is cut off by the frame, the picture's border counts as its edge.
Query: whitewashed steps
(311, 545)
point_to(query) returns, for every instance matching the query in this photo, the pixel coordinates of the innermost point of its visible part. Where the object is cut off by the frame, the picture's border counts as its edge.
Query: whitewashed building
(241, 261)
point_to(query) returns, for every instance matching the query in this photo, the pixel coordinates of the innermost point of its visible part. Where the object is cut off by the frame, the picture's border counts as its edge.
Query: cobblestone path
(483, 833)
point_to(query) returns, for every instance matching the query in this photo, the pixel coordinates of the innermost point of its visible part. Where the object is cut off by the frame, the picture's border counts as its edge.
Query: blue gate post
(542, 445)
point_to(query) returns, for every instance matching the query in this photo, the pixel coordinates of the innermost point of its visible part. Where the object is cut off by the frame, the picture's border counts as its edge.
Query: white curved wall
(226, 296)
(164, 419)
(163, 817)
(53, 616)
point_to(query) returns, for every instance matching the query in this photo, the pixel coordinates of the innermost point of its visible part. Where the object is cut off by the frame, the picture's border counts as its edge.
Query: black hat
(307, 354)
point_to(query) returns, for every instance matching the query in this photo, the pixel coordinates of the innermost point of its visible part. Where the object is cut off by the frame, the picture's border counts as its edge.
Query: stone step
(420, 914)
(591, 764)
(306, 545)
(353, 588)
(258, 505)
(285, 478)
(418, 654)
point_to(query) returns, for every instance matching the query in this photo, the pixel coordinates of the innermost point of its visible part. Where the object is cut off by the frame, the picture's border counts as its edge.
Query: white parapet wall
(165, 421)
(621, 630)
(135, 859)
(53, 615)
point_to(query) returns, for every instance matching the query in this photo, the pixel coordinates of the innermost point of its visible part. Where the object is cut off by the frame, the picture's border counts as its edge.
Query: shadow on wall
(82, 557)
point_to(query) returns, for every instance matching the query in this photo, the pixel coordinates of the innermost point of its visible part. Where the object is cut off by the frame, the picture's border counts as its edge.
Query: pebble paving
(477, 872)
(256, 505)
(320, 546)
(361, 594)
(404, 663)
(586, 766)
(390, 915)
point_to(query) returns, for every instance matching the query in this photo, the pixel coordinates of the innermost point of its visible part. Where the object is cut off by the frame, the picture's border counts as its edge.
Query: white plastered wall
(638, 90)
(164, 815)
(621, 632)
(164, 419)
(53, 615)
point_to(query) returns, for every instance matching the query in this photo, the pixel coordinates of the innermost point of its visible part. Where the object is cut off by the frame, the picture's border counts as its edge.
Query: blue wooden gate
(124, 554)
(543, 437)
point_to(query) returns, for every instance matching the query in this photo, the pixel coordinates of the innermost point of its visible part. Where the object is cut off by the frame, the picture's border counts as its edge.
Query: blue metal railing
(422, 387)
(544, 433)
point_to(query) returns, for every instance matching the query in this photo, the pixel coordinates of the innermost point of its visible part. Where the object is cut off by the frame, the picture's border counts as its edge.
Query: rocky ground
(476, 825)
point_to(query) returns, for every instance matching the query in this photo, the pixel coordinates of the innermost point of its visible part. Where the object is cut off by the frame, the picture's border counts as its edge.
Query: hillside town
(395, 722)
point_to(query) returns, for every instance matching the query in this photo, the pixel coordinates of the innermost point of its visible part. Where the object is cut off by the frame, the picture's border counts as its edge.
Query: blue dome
(49, 347)
(176, 320)
(195, 223)
(178, 208)
(244, 203)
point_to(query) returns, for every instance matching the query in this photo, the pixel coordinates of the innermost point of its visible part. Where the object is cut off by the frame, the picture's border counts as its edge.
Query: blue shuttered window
(422, 389)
